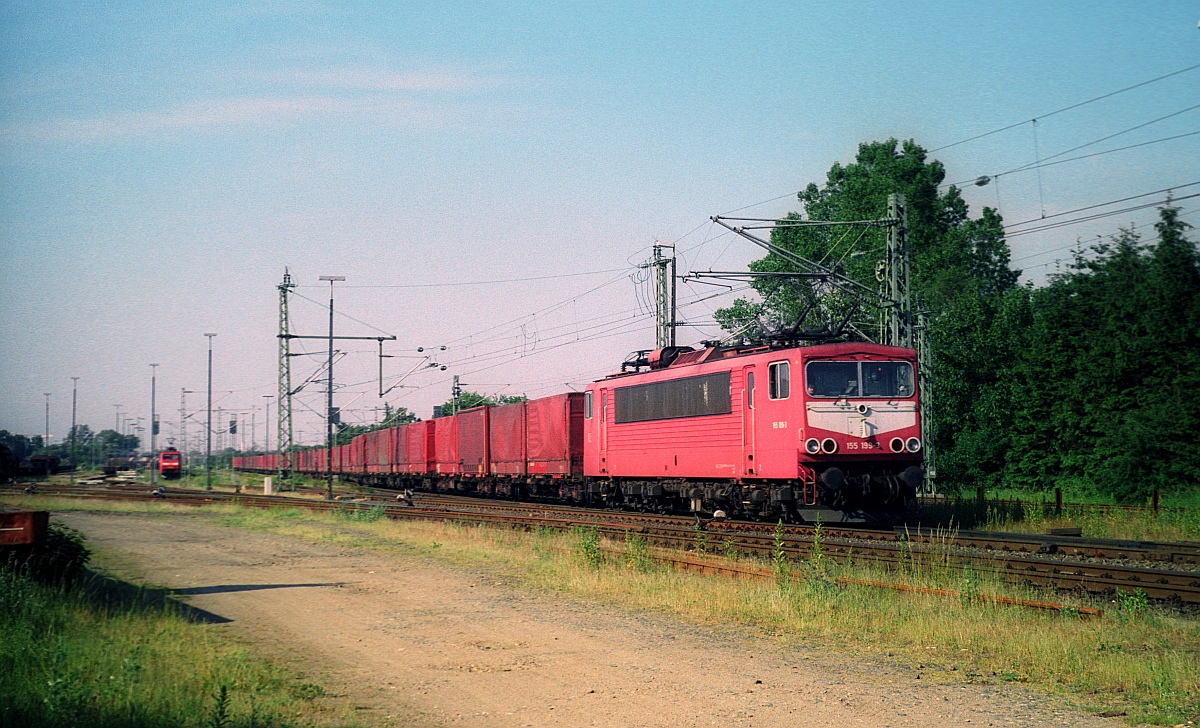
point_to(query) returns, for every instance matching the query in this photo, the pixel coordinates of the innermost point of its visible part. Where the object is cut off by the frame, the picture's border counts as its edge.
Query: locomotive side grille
(689, 397)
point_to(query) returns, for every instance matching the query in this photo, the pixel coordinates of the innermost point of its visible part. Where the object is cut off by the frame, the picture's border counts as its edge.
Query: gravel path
(411, 642)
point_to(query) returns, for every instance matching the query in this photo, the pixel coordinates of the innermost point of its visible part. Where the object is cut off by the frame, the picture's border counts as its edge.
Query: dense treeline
(1090, 382)
(91, 448)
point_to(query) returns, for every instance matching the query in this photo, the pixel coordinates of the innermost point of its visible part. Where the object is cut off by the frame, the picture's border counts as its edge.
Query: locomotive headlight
(829, 446)
(812, 446)
(897, 445)
(913, 444)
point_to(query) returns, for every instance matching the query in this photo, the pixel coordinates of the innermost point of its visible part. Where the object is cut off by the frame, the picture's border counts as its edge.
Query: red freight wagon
(554, 435)
(415, 449)
(506, 439)
(445, 443)
(358, 454)
(473, 441)
(377, 447)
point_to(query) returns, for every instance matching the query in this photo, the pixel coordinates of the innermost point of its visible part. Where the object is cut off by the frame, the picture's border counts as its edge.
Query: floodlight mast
(329, 416)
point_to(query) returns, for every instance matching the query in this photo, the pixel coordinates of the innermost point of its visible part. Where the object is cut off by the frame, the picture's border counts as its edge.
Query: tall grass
(105, 654)
(1035, 515)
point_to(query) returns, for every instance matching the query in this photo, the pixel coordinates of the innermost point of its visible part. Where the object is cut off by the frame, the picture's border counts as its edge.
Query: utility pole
(74, 399)
(186, 455)
(153, 424)
(283, 439)
(664, 295)
(208, 439)
(117, 423)
(46, 441)
(330, 414)
(456, 395)
(267, 424)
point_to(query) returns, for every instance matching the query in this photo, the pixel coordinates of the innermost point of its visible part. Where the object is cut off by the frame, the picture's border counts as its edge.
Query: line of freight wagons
(526, 449)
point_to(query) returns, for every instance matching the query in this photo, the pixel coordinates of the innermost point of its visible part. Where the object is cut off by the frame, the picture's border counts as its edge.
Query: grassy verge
(1138, 658)
(98, 652)
(1170, 523)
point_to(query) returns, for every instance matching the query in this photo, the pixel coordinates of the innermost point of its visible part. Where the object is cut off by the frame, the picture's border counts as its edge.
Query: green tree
(959, 272)
(113, 444)
(1110, 392)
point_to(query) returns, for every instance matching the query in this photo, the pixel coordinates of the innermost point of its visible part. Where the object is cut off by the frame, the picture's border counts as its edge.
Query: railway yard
(403, 639)
(1168, 572)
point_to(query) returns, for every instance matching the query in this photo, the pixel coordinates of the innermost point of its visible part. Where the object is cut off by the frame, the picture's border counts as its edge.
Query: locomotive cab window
(779, 385)
(887, 379)
(750, 390)
(881, 379)
(587, 405)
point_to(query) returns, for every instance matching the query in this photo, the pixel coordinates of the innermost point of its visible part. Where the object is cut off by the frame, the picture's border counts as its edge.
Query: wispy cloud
(376, 79)
(371, 94)
(257, 111)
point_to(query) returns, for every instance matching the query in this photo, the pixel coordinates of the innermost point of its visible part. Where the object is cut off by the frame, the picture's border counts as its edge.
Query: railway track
(1016, 558)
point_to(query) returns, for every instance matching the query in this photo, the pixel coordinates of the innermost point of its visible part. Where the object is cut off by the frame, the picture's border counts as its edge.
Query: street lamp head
(331, 279)
(153, 364)
(210, 335)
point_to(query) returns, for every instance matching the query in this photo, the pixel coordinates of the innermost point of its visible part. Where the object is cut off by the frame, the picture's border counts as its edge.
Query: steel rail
(1093, 578)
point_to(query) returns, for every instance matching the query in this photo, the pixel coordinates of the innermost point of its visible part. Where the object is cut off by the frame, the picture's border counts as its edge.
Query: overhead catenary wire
(483, 283)
(1078, 243)
(996, 178)
(1105, 138)
(1097, 216)
(1067, 108)
(1101, 204)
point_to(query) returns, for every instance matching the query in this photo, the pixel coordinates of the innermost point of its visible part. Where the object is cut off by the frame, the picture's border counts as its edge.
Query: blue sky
(162, 163)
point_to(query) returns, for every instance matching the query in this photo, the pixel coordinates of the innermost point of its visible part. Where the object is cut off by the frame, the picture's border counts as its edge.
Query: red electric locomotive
(829, 431)
(170, 464)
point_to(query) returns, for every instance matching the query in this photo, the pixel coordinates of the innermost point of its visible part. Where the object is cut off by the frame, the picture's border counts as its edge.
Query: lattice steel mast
(664, 295)
(283, 440)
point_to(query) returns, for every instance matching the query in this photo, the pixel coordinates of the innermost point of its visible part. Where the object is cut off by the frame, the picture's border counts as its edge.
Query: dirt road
(416, 643)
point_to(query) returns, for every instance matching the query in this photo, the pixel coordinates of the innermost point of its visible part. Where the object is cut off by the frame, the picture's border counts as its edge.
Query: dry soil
(412, 642)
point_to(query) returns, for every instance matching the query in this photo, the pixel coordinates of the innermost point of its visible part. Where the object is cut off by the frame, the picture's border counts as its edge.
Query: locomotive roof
(712, 354)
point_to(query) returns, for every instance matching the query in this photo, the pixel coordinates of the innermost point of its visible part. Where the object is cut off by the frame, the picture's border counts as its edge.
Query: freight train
(829, 432)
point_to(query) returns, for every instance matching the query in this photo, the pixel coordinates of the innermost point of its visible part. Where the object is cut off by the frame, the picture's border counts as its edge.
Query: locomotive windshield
(859, 379)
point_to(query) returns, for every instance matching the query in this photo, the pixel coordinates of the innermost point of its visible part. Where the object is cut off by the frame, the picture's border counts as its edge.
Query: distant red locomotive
(830, 431)
(170, 464)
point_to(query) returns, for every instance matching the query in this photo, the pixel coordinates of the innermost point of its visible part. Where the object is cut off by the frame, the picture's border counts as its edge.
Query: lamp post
(208, 439)
(329, 401)
(153, 424)
(267, 424)
(46, 441)
(74, 395)
(186, 454)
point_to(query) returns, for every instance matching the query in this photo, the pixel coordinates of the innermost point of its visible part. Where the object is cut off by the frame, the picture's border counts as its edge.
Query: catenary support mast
(283, 439)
